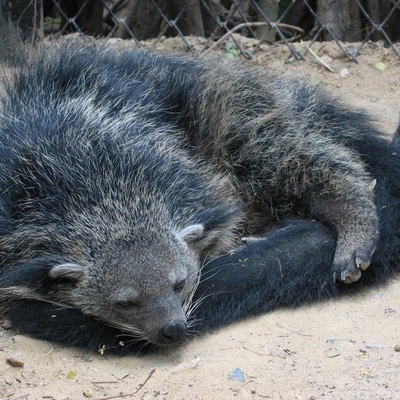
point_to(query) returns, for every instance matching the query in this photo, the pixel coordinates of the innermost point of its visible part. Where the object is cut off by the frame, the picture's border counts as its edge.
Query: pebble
(88, 393)
(344, 73)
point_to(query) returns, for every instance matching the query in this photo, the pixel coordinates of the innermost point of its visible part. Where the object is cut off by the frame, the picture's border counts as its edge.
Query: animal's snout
(173, 332)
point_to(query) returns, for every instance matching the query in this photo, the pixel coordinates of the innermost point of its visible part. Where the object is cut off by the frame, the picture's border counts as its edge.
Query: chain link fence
(202, 25)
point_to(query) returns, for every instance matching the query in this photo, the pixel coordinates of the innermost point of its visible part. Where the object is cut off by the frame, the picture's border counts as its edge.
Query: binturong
(104, 208)
(129, 179)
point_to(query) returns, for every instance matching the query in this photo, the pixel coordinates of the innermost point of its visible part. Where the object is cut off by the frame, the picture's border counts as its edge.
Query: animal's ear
(199, 238)
(192, 233)
(68, 271)
(212, 229)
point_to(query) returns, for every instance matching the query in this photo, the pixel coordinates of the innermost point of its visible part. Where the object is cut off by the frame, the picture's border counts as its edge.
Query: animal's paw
(348, 270)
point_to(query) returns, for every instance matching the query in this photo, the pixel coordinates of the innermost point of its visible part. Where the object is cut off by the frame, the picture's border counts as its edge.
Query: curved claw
(347, 276)
(350, 276)
(362, 264)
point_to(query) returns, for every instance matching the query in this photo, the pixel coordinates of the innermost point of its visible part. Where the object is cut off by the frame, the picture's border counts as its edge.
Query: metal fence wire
(220, 21)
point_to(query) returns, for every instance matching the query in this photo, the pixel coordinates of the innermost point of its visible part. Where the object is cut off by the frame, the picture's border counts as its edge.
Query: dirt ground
(340, 349)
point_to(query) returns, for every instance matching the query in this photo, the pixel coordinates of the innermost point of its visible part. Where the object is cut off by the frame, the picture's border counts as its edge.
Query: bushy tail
(290, 268)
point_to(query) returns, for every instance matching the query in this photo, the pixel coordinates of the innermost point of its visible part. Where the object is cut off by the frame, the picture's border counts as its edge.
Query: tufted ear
(192, 233)
(68, 271)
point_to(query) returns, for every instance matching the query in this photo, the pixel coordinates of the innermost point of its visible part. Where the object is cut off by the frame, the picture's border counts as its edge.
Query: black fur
(289, 266)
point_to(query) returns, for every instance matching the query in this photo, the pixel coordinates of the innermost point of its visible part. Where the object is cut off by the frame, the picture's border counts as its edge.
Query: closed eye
(179, 286)
(126, 304)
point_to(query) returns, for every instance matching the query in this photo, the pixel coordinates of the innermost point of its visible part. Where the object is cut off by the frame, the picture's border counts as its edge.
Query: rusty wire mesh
(117, 18)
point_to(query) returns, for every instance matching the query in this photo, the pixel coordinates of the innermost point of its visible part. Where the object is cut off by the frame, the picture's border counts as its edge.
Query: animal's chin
(155, 342)
(144, 346)
(165, 346)
(131, 336)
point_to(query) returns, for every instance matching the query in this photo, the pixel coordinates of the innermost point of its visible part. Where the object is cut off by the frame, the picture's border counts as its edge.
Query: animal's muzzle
(173, 332)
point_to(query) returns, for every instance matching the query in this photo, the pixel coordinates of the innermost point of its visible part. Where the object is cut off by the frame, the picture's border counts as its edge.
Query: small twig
(319, 59)
(50, 351)
(120, 396)
(230, 348)
(103, 383)
(251, 351)
(131, 394)
(246, 25)
(146, 380)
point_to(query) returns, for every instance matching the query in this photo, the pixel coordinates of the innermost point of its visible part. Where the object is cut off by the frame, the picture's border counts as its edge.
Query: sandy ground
(340, 349)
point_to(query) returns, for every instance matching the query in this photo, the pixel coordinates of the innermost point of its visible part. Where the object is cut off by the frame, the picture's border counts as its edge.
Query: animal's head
(142, 287)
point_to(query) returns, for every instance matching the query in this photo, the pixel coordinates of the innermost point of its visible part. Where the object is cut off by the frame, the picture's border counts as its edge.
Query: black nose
(173, 332)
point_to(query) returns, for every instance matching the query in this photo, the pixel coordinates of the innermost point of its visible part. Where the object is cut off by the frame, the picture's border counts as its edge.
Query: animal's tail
(291, 267)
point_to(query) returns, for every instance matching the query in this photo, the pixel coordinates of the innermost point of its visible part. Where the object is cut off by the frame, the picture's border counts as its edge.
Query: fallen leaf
(72, 375)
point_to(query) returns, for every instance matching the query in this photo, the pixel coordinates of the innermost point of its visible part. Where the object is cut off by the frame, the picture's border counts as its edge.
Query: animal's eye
(126, 304)
(179, 286)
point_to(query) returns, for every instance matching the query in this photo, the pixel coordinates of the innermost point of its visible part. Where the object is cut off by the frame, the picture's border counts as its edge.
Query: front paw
(348, 269)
